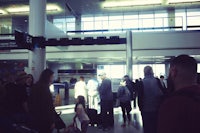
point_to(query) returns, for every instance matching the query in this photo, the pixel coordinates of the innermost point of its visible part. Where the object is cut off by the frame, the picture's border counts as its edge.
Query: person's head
(183, 72)
(162, 77)
(148, 71)
(81, 78)
(80, 100)
(46, 77)
(126, 76)
(21, 77)
(102, 75)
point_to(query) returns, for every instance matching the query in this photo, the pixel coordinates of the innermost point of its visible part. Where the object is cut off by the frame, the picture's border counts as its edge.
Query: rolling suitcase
(94, 117)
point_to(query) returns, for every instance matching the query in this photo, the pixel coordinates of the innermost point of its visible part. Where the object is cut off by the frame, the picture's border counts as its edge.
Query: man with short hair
(149, 98)
(106, 96)
(180, 112)
(80, 88)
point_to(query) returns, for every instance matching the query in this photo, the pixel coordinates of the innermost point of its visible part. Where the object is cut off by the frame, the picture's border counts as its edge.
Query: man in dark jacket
(106, 96)
(180, 112)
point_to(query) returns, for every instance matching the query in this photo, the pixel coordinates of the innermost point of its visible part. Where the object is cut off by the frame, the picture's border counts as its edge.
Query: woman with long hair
(81, 113)
(41, 104)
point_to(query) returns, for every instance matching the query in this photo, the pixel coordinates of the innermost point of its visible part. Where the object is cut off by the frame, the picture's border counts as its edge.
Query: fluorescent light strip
(114, 4)
(25, 9)
(182, 1)
(2, 12)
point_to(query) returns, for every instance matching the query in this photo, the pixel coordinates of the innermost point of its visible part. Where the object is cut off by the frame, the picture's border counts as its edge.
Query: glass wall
(118, 71)
(65, 24)
(5, 25)
(188, 19)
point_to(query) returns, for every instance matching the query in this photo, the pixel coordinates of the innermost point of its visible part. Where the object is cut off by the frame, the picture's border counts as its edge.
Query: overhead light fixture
(24, 9)
(53, 8)
(2, 12)
(130, 3)
(18, 9)
(182, 1)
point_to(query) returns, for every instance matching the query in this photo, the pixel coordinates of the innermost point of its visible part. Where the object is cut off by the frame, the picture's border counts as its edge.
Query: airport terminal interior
(77, 38)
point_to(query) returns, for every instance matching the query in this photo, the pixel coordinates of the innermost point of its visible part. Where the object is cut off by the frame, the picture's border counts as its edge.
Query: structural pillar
(171, 17)
(37, 18)
(78, 23)
(167, 66)
(129, 62)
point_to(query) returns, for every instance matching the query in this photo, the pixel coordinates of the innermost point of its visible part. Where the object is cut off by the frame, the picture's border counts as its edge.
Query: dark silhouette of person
(41, 104)
(149, 98)
(106, 103)
(180, 112)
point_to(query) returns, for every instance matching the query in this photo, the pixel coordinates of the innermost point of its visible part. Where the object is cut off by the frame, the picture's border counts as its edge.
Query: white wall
(166, 43)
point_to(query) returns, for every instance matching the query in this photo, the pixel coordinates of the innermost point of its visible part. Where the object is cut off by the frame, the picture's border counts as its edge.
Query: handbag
(73, 128)
(59, 123)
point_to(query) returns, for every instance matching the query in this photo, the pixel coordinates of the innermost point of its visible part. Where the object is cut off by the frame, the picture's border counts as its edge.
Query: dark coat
(41, 106)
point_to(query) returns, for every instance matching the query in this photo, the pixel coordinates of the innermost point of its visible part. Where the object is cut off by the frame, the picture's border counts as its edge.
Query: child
(123, 95)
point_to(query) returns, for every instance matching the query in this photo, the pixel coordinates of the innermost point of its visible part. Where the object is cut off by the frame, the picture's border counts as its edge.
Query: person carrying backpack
(124, 98)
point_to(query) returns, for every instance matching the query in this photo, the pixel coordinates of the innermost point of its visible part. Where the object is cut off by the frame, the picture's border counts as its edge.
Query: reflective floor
(134, 127)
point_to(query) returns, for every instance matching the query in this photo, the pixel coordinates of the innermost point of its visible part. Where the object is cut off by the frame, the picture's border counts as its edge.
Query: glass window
(160, 20)
(138, 70)
(193, 17)
(88, 25)
(130, 16)
(115, 17)
(70, 20)
(87, 19)
(105, 25)
(112, 71)
(65, 24)
(117, 71)
(100, 18)
(148, 22)
(130, 24)
(70, 26)
(59, 25)
(115, 24)
(98, 25)
(180, 18)
(193, 20)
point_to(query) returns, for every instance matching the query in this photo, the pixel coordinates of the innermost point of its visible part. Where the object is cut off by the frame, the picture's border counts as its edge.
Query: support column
(78, 23)
(171, 17)
(37, 18)
(129, 63)
(167, 66)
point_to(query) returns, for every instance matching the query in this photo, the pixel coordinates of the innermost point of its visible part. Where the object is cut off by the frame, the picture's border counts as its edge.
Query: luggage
(23, 129)
(94, 117)
(59, 123)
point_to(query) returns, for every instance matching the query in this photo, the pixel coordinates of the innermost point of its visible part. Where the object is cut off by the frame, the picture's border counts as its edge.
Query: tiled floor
(135, 126)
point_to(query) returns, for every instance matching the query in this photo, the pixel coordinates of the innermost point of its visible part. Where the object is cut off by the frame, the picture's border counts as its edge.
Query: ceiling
(89, 7)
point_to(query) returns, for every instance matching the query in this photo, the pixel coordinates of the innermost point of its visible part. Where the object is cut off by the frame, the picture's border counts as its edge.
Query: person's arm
(140, 96)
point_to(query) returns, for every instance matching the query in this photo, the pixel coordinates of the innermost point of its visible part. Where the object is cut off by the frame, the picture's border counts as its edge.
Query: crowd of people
(166, 107)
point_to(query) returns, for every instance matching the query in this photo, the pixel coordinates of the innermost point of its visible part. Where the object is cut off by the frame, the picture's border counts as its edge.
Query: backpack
(126, 92)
